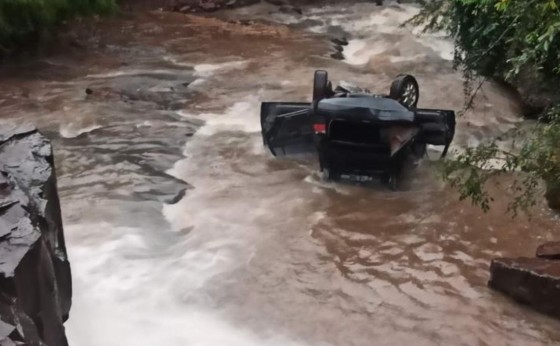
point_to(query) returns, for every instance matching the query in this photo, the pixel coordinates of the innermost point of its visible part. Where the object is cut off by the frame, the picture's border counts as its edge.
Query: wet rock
(290, 10)
(532, 281)
(244, 22)
(35, 281)
(552, 196)
(276, 2)
(338, 48)
(532, 106)
(208, 6)
(342, 41)
(337, 56)
(306, 23)
(549, 250)
(176, 198)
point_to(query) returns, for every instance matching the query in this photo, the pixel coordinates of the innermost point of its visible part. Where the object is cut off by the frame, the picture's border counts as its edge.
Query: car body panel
(377, 109)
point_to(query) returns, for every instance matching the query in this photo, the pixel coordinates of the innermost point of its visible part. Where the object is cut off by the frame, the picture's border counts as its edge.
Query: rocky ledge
(35, 280)
(533, 281)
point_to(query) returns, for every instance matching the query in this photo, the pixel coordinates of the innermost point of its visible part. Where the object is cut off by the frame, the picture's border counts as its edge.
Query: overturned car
(355, 132)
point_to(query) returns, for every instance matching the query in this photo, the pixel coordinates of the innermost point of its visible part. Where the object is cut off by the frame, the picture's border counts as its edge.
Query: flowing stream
(258, 250)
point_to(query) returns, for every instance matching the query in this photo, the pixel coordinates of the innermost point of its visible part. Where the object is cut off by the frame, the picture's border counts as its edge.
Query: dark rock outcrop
(549, 250)
(35, 281)
(340, 41)
(337, 55)
(532, 281)
(552, 196)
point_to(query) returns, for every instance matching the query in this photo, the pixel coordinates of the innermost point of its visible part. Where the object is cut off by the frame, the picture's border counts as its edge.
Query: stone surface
(35, 281)
(549, 250)
(532, 281)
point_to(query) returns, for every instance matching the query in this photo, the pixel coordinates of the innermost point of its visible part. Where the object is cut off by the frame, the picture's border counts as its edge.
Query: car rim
(409, 95)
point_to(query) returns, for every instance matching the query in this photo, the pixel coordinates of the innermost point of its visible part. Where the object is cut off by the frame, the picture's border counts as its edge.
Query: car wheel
(405, 90)
(320, 85)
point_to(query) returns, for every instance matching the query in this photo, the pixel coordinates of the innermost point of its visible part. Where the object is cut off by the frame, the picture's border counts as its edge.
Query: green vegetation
(24, 22)
(516, 41)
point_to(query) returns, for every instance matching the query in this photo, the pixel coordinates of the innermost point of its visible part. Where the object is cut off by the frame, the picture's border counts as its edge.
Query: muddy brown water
(258, 250)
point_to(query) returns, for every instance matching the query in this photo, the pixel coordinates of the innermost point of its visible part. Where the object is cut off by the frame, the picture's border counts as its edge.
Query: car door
(287, 127)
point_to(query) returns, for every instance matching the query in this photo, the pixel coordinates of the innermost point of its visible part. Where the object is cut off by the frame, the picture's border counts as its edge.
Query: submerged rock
(35, 281)
(337, 56)
(340, 41)
(549, 250)
(185, 6)
(532, 281)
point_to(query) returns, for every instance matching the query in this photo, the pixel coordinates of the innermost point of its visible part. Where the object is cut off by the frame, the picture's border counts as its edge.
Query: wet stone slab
(549, 250)
(532, 281)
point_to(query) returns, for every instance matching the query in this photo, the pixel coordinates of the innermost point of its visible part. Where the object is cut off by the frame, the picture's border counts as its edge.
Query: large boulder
(532, 281)
(35, 281)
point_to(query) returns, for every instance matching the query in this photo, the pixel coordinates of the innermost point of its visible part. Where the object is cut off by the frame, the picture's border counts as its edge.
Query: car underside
(355, 132)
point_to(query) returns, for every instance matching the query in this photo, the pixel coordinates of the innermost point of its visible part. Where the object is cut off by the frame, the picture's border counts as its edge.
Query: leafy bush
(514, 41)
(26, 21)
(499, 38)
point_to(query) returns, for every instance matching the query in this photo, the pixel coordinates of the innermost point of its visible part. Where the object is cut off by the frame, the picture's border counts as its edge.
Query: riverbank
(26, 24)
(259, 251)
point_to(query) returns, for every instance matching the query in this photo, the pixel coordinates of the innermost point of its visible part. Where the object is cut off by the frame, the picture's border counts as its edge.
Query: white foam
(359, 52)
(313, 179)
(197, 82)
(72, 131)
(134, 72)
(396, 59)
(205, 70)
(241, 116)
(127, 292)
(387, 21)
(442, 45)
(174, 61)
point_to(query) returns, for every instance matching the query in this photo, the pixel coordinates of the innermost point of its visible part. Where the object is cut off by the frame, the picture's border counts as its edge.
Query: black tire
(320, 85)
(405, 90)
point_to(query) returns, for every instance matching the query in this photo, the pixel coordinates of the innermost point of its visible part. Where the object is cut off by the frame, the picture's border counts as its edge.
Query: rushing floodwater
(259, 251)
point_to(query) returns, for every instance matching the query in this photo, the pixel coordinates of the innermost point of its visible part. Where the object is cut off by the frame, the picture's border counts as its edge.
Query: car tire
(320, 85)
(405, 90)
